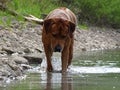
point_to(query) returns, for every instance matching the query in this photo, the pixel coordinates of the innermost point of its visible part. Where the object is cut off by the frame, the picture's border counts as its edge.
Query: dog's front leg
(65, 57)
(48, 53)
(70, 52)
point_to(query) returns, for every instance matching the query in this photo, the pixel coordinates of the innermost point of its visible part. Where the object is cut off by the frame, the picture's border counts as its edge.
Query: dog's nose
(58, 48)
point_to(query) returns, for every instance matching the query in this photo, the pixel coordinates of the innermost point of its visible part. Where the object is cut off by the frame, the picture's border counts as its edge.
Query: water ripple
(98, 69)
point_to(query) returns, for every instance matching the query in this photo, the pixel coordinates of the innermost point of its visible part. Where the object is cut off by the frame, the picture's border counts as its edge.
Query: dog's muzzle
(58, 48)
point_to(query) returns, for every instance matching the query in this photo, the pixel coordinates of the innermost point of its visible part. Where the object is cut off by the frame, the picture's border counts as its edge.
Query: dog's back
(63, 13)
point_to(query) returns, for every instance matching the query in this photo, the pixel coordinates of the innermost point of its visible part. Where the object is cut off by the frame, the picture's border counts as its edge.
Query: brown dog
(57, 36)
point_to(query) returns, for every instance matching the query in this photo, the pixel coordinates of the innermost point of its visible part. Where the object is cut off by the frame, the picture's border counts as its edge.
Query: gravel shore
(20, 46)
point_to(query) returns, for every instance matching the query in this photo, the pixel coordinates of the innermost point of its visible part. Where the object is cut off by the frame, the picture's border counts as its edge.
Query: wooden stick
(28, 18)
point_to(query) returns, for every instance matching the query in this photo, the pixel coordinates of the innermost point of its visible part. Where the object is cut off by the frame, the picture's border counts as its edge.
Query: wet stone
(1, 78)
(20, 60)
(24, 66)
(27, 50)
(33, 59)
(8, 50)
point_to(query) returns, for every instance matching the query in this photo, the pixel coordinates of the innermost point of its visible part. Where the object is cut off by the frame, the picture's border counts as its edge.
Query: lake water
(98, 70)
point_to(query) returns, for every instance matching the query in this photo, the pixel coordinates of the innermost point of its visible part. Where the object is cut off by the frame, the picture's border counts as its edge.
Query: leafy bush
(99, 12)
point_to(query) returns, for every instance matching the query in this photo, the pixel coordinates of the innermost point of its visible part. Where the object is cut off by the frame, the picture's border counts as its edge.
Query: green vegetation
(34, 7)
(37, 8)
(89, 12)
(99, 12)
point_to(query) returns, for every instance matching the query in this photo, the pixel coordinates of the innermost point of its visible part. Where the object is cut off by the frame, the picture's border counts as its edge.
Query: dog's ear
(71, 28)
(47, 24)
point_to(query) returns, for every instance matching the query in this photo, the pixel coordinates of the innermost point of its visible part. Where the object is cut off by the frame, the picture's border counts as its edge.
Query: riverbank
(95, 38)
(20, 45)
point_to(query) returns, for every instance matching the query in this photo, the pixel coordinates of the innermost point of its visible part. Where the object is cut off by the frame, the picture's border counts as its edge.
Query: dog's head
(60, 30)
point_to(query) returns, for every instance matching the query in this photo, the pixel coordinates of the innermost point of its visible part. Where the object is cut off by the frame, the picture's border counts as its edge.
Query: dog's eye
(63, 36)
(54, 35)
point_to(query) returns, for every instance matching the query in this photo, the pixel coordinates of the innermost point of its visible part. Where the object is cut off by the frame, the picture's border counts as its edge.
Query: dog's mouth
(58, 48)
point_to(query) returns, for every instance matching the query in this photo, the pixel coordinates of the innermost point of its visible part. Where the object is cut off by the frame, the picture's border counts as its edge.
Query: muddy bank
(20, 45)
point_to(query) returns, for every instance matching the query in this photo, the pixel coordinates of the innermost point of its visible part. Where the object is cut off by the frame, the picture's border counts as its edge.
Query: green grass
(99, 12)
(5, 19)
(83, 26)
(26, 7)
(91, 12)
(34, 7)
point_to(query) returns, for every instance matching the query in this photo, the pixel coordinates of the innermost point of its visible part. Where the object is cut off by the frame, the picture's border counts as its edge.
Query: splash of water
(95, 69)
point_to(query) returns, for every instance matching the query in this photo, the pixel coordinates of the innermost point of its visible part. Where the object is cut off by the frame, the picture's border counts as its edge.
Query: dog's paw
(49, 69)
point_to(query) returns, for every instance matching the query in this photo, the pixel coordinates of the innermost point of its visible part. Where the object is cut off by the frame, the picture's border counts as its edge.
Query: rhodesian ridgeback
(58, 36)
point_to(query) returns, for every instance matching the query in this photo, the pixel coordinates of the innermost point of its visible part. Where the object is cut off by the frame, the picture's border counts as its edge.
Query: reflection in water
(64, 80)
(89, 71)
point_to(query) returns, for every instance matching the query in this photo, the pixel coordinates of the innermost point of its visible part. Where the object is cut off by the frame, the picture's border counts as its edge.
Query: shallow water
(98, 70)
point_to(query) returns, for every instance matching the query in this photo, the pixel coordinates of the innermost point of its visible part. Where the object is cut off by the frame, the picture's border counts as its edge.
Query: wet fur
(57, 35)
